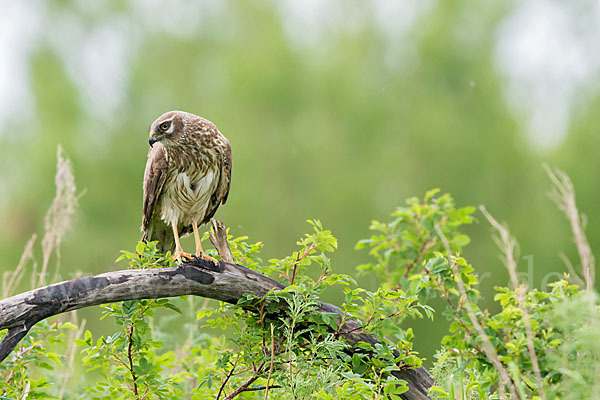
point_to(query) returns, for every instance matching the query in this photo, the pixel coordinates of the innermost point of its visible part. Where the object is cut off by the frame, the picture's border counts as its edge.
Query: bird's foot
(202, 258)
(181, 255)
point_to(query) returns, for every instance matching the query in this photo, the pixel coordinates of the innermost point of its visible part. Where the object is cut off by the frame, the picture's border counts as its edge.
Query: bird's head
(167, 128)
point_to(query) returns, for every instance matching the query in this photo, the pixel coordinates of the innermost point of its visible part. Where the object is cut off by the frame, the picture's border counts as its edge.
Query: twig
(242, 388)
(130, 357)
(272, 360)
(143, 310)
(256, 388)
(444, 294)
(414, 262)
(229, 375)
(298, 259)
(119, 360)
(368, 321)
(129, 347)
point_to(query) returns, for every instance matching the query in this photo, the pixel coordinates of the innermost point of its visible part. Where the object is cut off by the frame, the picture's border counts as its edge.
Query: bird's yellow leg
(199, 251)
(179, 253)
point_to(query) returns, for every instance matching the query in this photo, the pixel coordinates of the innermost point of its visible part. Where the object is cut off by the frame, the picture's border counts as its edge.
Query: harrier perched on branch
(187, 178)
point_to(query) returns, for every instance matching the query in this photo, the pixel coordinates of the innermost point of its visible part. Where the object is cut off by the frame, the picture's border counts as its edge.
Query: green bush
(541, 344)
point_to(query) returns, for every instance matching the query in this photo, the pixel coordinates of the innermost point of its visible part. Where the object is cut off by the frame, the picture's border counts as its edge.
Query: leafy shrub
(541, 344)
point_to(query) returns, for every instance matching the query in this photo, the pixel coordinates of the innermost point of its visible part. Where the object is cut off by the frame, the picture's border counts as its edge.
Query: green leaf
(461, 240)
(140, 247)
(173, 307)
(430, 194)
(143, 368)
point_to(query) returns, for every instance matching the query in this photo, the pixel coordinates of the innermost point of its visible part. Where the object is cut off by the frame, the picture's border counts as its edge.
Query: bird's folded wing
(225, 181)
(219, 196)
(154, 180)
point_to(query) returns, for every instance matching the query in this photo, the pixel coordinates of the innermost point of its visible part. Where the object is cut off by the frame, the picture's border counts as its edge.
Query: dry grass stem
(508, 246)
(60, 215)
(573, 275)
(488, 347)
(32, 278)
(12, 279)
(563, 194)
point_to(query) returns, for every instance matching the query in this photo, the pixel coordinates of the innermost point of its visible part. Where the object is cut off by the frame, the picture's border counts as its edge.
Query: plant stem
(130, 357)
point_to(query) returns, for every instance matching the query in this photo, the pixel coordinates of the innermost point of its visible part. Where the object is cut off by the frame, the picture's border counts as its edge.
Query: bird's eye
(164, 126)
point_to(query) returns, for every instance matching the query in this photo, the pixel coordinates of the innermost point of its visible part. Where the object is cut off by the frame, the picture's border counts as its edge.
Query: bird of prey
(186, 179)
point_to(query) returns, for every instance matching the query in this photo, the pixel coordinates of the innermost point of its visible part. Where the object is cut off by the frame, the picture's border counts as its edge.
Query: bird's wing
(154, 180)
(222, 189)
(225, 181)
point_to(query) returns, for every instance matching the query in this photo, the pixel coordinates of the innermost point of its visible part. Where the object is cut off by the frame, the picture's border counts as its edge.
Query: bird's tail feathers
(164, 237)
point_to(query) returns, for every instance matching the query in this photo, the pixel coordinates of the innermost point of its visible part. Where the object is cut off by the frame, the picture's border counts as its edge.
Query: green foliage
(284, 344)
(287, 343)
(411, 238)
(25, 373)
(281, 341)
(418, 252)
(463, 365)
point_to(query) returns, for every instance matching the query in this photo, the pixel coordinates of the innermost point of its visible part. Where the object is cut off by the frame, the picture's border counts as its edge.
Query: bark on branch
(229, 282)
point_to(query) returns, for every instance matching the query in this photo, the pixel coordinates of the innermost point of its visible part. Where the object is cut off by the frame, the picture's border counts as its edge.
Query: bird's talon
(182, 256)
(202, 257)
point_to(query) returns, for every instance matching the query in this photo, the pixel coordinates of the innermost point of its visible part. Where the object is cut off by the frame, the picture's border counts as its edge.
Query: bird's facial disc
(160, 130)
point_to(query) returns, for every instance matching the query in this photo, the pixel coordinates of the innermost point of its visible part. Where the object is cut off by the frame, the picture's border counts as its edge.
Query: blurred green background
(337, 110)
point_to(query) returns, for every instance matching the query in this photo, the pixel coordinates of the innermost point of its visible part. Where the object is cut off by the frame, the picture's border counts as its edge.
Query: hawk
(187, 178)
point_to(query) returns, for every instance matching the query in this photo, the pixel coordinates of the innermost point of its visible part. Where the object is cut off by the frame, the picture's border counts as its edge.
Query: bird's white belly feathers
(185, 200)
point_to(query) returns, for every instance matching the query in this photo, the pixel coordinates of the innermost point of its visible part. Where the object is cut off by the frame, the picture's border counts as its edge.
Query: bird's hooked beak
(152, 139)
